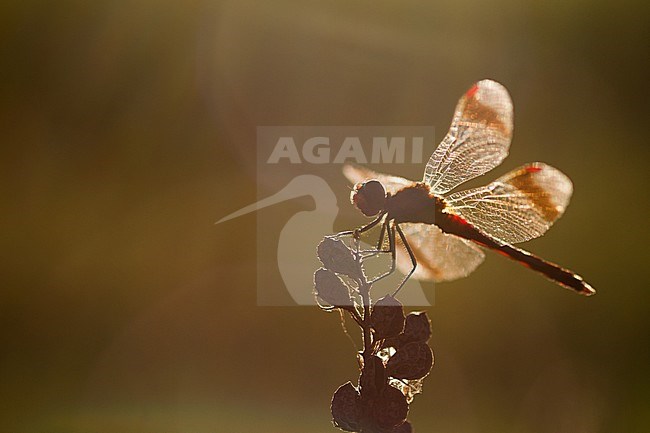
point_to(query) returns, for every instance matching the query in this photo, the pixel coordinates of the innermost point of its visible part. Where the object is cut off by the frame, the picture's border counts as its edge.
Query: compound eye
(369, 197)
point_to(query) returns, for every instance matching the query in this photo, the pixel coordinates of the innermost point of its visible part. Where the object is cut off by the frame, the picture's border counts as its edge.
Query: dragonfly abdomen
(554, 272)
(456, 225)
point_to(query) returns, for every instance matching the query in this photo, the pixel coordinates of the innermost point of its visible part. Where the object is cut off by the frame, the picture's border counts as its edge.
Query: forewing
(478, 139)
(357, 173)
(440, 256)
(517, 207)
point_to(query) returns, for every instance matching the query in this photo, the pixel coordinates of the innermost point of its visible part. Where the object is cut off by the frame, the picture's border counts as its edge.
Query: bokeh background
(128, 128)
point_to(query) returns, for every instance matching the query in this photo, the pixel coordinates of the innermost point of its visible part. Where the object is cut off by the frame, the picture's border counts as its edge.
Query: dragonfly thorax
(415, 204)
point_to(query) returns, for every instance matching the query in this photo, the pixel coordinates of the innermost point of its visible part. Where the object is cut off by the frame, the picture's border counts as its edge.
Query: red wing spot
(459, 220)
(532, 169)
(472, 91)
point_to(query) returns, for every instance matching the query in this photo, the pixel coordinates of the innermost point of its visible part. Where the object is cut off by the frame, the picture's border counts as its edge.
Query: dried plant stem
(364, 289)
(376, 404)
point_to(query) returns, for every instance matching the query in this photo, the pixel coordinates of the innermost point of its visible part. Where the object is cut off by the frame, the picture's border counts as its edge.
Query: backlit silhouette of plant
(395, 356)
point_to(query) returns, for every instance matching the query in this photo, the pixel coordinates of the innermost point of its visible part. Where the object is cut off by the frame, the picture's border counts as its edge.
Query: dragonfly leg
(391, 249)
(370, 225)
(411, 255)
(380, 243)
(384, 223)
(357, 232)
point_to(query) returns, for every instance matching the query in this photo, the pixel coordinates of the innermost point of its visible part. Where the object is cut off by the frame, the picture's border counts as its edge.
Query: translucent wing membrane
(477, 141)
(440, 257)
(357, 173)
(517, 207)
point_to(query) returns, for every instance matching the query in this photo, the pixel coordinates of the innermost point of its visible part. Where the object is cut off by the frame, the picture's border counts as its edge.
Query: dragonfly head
(369, 197)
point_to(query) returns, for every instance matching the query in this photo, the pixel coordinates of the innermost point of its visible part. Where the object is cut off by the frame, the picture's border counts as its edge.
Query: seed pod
(387, 318)
(417, 328)
(390, 408)
(412, 361)
(337, 257)
(331, 289)
(373, 378)
(346, 411)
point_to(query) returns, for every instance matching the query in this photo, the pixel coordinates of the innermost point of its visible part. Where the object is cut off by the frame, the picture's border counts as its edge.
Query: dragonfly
(443, 231)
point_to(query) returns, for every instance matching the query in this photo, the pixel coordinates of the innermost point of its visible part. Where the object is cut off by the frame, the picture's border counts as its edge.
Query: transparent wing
(517, 207)
(478, 139)
(358, 173)
(440, 256)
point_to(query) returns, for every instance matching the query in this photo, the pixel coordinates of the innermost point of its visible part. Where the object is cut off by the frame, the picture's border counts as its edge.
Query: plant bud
(330, 288)
(417, 328)
(346, 411)
(337, 257)
(387, 318)
(412, 361)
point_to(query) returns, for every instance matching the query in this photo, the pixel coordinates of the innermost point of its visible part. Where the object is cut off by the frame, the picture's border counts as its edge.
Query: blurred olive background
(128, 128)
